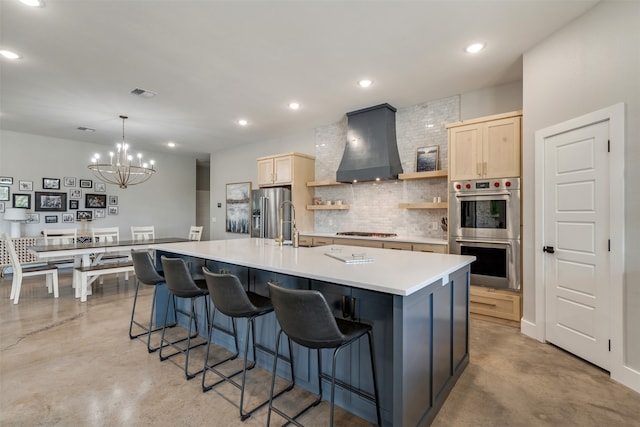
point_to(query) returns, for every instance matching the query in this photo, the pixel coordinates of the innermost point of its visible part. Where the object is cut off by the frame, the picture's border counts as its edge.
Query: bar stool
(182, 285)
(230, 298)
(146, 274)
(306, 318)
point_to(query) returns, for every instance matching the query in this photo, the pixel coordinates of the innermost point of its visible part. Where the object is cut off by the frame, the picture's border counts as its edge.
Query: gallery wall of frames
(54, 199)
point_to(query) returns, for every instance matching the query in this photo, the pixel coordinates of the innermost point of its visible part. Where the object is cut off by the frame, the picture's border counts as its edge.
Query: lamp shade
(15, 214)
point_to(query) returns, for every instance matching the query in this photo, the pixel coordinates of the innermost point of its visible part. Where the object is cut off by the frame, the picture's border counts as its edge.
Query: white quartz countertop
(403, 239)
(394, 272)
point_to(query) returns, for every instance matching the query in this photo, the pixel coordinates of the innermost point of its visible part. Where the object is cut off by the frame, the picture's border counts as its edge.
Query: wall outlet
(213, 219)
(433, 226)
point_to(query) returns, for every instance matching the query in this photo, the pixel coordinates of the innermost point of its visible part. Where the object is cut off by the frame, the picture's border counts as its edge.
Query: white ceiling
(213, 62)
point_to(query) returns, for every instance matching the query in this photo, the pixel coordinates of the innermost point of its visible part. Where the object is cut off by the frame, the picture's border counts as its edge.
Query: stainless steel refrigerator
(265, 212)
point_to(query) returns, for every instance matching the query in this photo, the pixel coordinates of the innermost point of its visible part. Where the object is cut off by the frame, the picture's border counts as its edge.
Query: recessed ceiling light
(33, 3)
(9, 55)
(243, 122)
(294, 105)
(365, 83)
(475, 47)
(171, 144)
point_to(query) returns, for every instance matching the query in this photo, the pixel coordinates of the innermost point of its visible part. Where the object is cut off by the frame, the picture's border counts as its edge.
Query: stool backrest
(105, 235)
(144, 268)
(178, 278)
(195, 232)
(60, 236)
(305, 317)
(146, 232)
(228, 294)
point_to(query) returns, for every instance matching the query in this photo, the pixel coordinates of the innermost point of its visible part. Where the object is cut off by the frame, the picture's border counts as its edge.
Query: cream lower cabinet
(487, 147)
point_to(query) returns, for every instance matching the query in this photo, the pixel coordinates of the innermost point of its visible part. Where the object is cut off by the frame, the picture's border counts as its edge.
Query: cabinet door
(465, 151)
(265, 172)
(283, 170)
(501, 148)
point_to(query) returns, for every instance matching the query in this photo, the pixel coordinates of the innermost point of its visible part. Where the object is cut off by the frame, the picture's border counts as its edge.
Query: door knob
(548, 249)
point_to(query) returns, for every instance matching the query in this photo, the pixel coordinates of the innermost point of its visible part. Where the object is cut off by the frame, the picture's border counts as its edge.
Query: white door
(576, 226)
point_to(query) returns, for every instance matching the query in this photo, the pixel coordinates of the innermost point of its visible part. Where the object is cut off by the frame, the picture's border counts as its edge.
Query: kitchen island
(417, 303)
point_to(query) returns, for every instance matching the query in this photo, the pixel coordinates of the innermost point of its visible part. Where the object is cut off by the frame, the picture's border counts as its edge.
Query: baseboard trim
(532, 330)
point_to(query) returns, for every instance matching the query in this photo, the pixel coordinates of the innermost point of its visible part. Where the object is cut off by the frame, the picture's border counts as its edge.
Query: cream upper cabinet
(292, 170)
(275, 170)
(488, 147)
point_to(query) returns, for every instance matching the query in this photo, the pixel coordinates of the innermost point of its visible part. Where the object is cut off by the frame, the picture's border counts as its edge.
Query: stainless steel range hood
(371, 150)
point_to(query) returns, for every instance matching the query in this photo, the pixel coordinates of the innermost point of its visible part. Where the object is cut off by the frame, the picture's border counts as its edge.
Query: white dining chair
(146, 232)
(109, 235)
(59, 236)
(195, 232)
(51, 272)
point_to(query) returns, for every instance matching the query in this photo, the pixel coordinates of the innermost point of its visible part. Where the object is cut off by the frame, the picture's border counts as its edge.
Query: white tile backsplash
(373, 206)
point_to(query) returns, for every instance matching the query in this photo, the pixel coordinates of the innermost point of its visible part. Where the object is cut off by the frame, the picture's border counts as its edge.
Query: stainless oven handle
(502, 193)
(485, 242)
(496, 242)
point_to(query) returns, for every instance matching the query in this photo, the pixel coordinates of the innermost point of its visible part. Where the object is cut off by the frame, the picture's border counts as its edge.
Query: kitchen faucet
(294, 231)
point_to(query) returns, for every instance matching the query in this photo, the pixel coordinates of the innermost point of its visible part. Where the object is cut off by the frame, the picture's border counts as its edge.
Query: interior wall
(166, 201)
(492, 100)
(588, 65)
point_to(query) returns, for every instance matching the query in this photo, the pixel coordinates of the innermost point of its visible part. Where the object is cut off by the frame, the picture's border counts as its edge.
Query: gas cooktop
(365, 234)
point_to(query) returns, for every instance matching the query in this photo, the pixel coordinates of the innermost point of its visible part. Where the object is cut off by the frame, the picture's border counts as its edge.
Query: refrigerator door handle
(263, 217)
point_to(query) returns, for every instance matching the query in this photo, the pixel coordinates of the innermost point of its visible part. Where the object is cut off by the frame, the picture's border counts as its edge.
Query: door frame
(615, 114)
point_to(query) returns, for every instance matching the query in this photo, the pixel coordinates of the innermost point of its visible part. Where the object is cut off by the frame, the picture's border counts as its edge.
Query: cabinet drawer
(494, 303)
(423, 247)
(358, 242)
(305, 241)
(321, 241)
(397, 245)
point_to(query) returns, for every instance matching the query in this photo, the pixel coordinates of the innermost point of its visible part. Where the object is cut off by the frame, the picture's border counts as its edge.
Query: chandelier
(121, 169)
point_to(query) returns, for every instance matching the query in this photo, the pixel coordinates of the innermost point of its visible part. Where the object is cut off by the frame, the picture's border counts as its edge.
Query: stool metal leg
(192, 319)
(148, 329)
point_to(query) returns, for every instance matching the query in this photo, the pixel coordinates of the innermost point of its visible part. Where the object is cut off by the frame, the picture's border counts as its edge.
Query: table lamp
(16, 216)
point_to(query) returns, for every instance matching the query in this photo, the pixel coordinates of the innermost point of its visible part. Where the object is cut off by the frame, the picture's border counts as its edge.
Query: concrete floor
(66, 363)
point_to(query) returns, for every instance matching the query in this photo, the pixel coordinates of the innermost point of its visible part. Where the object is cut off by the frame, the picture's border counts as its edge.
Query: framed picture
(75, 193)
(50, 202)
(22, 201)
(74, 204)
(25, 185)
(113, 200)
(50, 219)
(69, 181)
(4, 194)
(50, 183)
(95, 201)
(100, 186)
(86, 183)
(113, 210)
(33, 218)
(84, 215)
(99, 213)
(6, 180)
(67, 217)
(1, 207)
(427, 159)
(238, 210)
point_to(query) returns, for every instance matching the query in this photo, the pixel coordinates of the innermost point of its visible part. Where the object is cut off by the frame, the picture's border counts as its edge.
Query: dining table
(88, 253)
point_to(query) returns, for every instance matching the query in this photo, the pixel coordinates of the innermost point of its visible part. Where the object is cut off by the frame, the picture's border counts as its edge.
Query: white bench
(84, 273)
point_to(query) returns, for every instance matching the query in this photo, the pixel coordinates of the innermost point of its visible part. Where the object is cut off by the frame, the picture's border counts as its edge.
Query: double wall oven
(485, 222)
